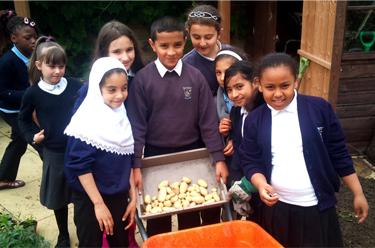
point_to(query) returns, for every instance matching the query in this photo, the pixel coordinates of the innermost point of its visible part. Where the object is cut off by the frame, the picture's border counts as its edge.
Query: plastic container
(195, 164)
(238, 233)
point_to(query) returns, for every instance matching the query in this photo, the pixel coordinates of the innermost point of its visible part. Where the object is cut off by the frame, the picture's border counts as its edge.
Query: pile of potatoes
(179, 195)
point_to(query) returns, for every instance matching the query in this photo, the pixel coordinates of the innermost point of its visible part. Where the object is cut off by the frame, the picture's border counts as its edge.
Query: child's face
(123, 50)
(240, 91)
(203, 38)
(51, 73)
(115, 90)
(25, 39)
(221, 67)
(277, 85)
(169, 46)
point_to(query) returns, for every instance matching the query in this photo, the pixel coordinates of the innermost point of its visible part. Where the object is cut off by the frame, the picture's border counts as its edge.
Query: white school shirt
(289, 176)
(53, 89)
(162, 70)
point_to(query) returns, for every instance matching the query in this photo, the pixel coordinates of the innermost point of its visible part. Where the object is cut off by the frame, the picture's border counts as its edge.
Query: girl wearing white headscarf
(98, 159)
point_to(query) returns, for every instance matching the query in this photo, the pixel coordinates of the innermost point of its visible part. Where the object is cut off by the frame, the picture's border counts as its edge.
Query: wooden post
(224, 9)
(22, 8)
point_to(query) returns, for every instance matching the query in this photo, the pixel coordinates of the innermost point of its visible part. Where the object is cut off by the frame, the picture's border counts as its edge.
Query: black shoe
(63, 241)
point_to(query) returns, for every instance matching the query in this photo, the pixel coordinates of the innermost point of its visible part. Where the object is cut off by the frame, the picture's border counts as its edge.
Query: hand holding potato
(221, 171)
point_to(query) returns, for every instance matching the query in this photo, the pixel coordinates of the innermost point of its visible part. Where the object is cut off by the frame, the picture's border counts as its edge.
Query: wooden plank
(22, 8)
(357, 70)
(356, 84)
(358, 61)
(356, 56)
(308, 19)
(365, 123)
(224, 9)
(360, 110)
(337, 47)
(355, 98)
(314, 59)
(358, 148)
(371, 7)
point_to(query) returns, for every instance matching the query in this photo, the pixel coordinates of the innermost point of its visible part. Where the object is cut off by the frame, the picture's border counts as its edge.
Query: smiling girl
(53, 97)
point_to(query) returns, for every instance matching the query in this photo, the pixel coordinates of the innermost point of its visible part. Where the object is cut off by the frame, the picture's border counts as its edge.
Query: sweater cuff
(137, 163)
(218, 156)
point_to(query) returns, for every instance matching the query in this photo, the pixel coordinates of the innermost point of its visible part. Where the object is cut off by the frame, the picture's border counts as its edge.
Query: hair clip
(26, 20)
(201, 14)
(47, 40)
(32, 24)
(10, 13)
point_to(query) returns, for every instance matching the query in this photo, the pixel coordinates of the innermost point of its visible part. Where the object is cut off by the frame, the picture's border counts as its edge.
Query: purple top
(172, 111)
(205, 66)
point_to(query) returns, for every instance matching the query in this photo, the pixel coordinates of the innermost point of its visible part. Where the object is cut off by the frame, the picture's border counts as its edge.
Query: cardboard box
(194, 164)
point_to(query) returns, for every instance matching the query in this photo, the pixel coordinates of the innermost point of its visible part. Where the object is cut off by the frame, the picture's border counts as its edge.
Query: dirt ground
(357, 234)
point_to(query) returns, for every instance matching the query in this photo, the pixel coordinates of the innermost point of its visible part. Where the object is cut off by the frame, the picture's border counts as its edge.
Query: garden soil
(356, 234)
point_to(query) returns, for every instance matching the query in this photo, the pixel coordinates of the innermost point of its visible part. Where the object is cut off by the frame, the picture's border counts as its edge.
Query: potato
(194, 193)
(186, 180)
(153, 211)
(174, 198)
(177, 204)
(198, 199)
(161, 205)
(167, 204)
(158, 209)
(181, 196)
(164, 183)
(202, 183)
(153, 198)
(193, 204)
(216, 197)
(168, 208)
(168, 197)
(183, 187)
(162, 194)
(148, 208)
(208, 197)
(209, 201)
(169, 190)
(189, 198)
(196, 188)
(191, 189)
(203, 191)
(175, 189)
(175, 184)
(185, 203)
(147, 199)
(214, 190)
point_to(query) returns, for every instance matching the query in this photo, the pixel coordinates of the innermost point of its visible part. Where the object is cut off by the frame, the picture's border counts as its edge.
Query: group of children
(290, 146)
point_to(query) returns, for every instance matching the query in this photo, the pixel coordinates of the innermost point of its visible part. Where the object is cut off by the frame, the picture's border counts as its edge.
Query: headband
(201, 14)
(227, 52)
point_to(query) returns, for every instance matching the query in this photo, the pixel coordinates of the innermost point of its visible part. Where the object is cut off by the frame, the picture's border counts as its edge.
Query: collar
(210, 59)
(291, 107)
(131, 73)
(243, 110)
(162, 70)
(49, 87)
(20, 55)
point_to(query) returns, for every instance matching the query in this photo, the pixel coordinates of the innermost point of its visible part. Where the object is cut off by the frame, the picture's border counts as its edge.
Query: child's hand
(39, 137)
(267, 194)
(228, 150)
(130, 211)
(360, 207)
(224, 127)
(138, 179)
(221, 171)
(104, 218)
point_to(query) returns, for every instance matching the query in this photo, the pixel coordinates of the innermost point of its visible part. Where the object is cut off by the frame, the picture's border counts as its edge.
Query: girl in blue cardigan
(98, 159)
(294, 152)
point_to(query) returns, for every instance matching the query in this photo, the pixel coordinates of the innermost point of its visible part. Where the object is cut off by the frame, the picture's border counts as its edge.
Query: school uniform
(101, 143)
(53, 105)
(172, 111)
(14, 80)
(318, 152)
(204, 64)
